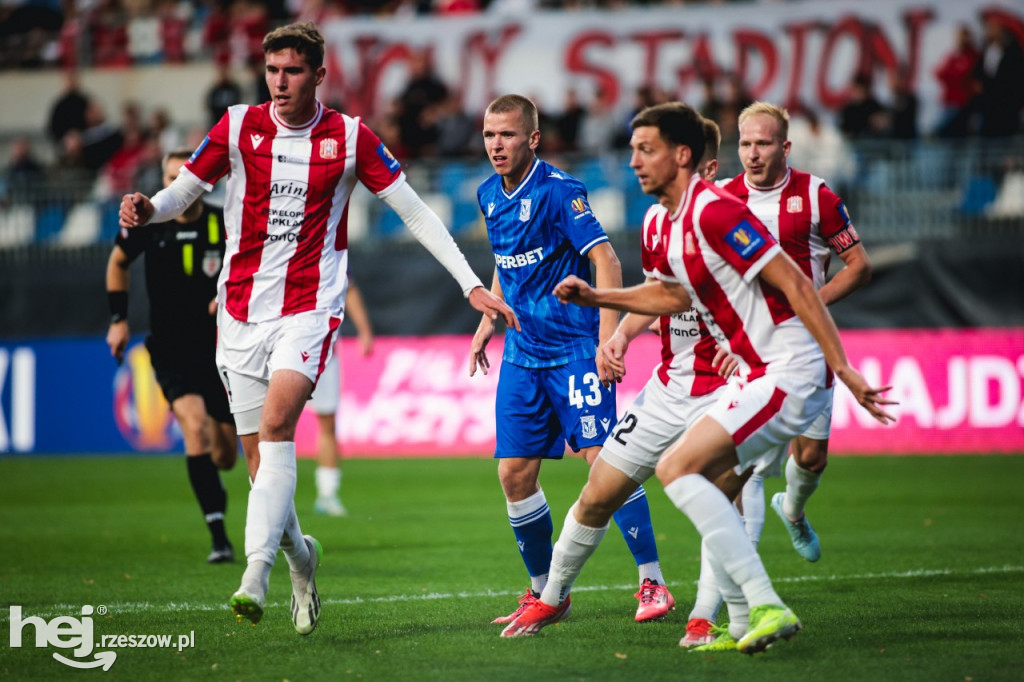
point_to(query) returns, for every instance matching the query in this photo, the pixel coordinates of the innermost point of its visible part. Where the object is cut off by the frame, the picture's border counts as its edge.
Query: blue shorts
(538, 410)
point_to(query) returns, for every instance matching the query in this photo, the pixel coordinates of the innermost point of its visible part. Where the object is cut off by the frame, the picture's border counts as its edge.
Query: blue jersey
(540, 233)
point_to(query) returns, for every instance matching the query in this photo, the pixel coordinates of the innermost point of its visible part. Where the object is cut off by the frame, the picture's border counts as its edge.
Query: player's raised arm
(650, 298)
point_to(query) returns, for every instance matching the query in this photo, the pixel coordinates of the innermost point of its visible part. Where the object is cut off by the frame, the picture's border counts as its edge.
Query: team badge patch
(689, 244)
(589, 424)
(211, 263)
(388, 158)
(524, 210)
(579, 205)
(744, 240)
(329, 148)
(795, 205)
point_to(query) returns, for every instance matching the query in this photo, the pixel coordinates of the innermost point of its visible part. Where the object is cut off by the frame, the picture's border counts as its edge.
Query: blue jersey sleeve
(576, 218)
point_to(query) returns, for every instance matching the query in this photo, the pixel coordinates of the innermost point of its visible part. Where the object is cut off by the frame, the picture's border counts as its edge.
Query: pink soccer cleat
(536, 616)
(655, 601)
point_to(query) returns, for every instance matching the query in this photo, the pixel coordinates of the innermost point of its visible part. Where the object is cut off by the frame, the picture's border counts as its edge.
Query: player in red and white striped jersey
(292, 165)
(810, 223)
(719, 255)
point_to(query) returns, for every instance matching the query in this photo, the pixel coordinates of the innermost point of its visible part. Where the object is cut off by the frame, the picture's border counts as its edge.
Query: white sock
(328, 481)
(271, 502)
(753, 508)
(721, 528)
(293, 544)
(739, 612)
(575, 544)
(256, 578)
(800, 485)
(651, 571)
(709, 597)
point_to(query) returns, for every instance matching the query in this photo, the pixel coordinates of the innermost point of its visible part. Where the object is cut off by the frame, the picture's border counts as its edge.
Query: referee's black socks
(213, 500)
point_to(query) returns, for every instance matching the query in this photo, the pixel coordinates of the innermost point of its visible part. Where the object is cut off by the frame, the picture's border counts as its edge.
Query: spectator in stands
(819, 148)
(456, 130)
(736, 99)
(100, 139)
(862, 116)
(24, 177)
(71, 178)
(68, 112)
(598, 128)
(148, 175)
(903, 110)
(108, 30)
(956, 76)
(224, 92)
(167, 135)
(999, 75)
(568, 122)
(423, 90)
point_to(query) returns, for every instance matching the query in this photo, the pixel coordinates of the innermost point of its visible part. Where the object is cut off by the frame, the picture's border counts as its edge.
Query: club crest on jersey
(524, 209)
(795, 205)
(589, 424)
(689, 244)
(744, 240)
(329, 148)
(211, 263)
(388, 158)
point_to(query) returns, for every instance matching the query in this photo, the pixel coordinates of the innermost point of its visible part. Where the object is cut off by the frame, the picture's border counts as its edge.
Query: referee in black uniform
(183, 259)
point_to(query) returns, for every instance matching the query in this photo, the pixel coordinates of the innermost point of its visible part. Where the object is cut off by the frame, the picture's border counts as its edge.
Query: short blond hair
(768, 109)
(507, 104)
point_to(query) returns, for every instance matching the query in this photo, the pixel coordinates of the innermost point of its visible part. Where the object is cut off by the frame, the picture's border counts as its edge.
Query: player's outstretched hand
(869, 398)
(136, 209)
(572, 289)
(478, 349)
(490, 305)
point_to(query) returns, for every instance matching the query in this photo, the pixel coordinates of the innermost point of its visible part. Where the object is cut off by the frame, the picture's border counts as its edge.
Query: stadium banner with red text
(960, 391)
(781, 52)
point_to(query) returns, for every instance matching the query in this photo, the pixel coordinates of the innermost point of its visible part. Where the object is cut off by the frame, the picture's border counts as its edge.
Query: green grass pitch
(922, 577)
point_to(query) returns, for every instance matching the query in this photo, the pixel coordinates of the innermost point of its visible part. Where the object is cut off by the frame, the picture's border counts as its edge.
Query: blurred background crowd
(89, 152)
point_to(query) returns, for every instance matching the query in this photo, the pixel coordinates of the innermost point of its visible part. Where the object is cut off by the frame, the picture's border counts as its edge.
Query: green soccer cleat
(768, 624)
(805, 540)
(723, 641)
(246, 606)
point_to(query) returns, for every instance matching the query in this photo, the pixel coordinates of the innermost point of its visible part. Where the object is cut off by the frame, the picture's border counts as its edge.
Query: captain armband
(844, 239)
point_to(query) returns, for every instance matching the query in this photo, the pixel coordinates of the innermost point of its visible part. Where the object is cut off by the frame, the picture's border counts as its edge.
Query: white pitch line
(138, 607)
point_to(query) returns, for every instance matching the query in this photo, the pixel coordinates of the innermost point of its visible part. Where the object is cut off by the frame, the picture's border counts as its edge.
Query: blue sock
(634, 520)
(531, 523)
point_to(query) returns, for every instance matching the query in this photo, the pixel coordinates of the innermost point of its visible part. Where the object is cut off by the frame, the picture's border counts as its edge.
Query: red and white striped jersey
(716, 248)
(286, 205)
(807, 219)
(687, 347)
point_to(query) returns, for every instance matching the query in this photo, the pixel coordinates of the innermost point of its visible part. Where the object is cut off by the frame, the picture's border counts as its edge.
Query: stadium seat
(978, 194)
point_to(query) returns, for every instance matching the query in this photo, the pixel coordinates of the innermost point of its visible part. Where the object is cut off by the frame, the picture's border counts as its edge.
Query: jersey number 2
(591, 382)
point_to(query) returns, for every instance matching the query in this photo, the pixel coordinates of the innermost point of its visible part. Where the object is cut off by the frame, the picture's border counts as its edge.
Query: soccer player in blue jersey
(554, 387)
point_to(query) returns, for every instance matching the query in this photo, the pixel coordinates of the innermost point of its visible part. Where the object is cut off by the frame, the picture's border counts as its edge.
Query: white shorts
(656, 419)
(248, 353)
(325, 396)
(762, 416)
(820, 429)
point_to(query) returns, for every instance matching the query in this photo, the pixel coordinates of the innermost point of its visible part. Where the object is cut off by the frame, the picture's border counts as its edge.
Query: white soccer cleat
(305, 600)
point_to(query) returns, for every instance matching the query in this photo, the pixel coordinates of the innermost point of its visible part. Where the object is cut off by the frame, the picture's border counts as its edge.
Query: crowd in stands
(99, 159)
